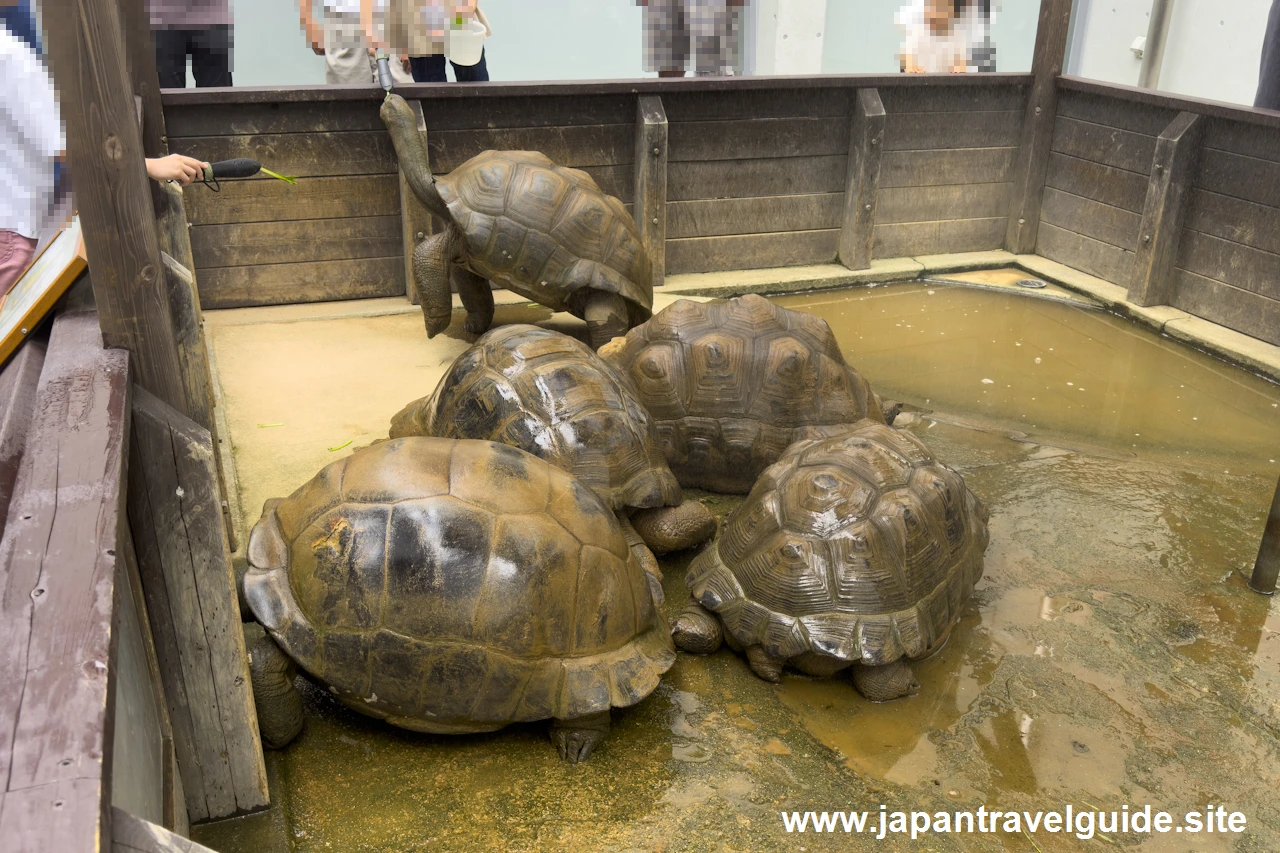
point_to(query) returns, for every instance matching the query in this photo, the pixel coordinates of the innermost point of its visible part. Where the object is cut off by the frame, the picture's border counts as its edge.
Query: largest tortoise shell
(547, 232)
(454, 586)
(732, 384)
(551, 395)
(859, 547)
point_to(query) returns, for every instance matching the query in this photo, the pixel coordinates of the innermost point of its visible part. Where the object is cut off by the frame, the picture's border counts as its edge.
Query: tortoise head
(402, 123)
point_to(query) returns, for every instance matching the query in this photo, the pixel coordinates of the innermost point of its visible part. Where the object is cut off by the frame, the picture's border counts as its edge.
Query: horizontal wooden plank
(727, 106)
(1200, 106)
(720, 217)
(1230, 263)
(293, 242)
(756, 178)
(1234, 219)
(286, 284)
(1242, 177)
(939, 168)
(931, 204)
(908, 239)
(310, 198)
(1109, 112)
(1109, 146)
(18, 383)
(251, 119)
(912, 131)
(300, 155)
(576, 146)
(902, 99)
(1247, 139)
(752, 251)
(1116, 187)
(757, 138)
(1229, 306)
(546, 111)
(1094, 257)
(1103, 222)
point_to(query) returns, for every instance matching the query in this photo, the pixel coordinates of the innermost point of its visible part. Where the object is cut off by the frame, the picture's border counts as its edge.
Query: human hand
(404, 62)
(175, 167)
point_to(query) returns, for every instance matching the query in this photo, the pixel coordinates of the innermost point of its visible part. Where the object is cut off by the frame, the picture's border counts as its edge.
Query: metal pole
(1153, 52)
(1267, 566)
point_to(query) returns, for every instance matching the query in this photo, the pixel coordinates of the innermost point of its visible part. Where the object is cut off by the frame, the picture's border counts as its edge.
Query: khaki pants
(346, 54)
(706, 30)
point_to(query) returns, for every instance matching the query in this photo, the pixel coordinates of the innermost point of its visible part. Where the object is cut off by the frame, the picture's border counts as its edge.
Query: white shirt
(939, 53)
(32, 136)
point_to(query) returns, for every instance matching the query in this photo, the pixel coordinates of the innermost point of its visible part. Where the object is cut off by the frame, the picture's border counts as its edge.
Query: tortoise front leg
(432, 263)
(645, 558)
(674, 528)
(764, 664)
(477, 298)
(697, 630)
(576, 739)
(882, 683)
(607, 318)
(271, 675)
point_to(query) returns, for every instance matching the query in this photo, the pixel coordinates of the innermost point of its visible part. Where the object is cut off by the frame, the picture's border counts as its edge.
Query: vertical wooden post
(1031, 164)
(866, 141)
(651, 182)
(415, 219)
(104, 146)
(140, 58)
(1177, 153)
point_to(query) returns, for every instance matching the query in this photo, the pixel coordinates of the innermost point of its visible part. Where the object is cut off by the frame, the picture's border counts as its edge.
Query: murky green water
(1053, 370)
(1111, 654)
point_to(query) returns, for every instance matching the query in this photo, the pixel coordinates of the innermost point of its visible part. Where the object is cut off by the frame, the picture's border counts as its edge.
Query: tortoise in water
(856, 551)
(518, 220)
(551, 395)
(733, 384)
(453, 586)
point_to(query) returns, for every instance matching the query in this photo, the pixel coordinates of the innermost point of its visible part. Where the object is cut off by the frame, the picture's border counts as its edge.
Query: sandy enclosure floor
(1111, 655)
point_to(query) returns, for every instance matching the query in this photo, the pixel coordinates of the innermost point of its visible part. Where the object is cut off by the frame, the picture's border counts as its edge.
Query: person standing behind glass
(1268, 96)
(428, 61)
(946, 36)
(339, 36)
(199, 29)
(707, 30)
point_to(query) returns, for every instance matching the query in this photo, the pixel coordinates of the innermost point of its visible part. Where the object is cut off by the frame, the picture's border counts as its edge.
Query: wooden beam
(177, 522)
(416, 221)
(184, 305)
(866, 141)
(1172, 169)
(105, 149)
(1031, 164)
(18, 382)
(144, 79)
(58, 578)
(651, 182)
(131, 834)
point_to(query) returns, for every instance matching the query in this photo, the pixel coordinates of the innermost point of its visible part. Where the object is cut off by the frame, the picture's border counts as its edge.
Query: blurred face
(938, 14)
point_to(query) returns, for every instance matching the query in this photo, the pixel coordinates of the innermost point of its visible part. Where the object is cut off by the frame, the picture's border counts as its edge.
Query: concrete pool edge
(1235, 347)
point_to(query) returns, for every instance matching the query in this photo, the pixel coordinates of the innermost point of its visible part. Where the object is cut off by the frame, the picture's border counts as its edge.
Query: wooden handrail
(1200, 106)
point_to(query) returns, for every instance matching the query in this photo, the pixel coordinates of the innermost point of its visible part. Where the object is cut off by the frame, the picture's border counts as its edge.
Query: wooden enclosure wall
(946, 167)
(1097, 182)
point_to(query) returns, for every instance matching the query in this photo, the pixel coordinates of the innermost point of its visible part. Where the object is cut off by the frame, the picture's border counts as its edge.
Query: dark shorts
(430, 69)
(210, 52)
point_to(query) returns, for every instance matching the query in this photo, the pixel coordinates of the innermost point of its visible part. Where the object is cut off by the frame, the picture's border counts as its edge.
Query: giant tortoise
(732, 384)
(515, 218)
(452, 586)
(856, 551)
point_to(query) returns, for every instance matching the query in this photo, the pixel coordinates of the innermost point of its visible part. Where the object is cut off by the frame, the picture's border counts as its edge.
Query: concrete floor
(1111, 655)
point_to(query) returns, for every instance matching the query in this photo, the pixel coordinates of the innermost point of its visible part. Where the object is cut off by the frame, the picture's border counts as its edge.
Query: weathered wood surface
(1032, 162)
(931, 204)
(176, 515)
(175, 234)
(1085, 216)
(300, 155)
(1239, 176)
(1176, 156)
(1105, 184)
(1231, 263)
(282, 284)
(1229, 306)
(310, 199)
(1096, 109)
(753, 139)
(140, 58)
(1176, 103)
(85, 52)
(866, 144)
(756, 178)
(1110, 146)
(1234, 219)
(58, 579)
(752, 251)
(576, 146)
(414, 226)
(908, 239)
(650, 208)
(917, 131)
(961, 97)
(939, 168)
(18, 381)
(131, 834)
(299, 241)
(1086, 254)
(723, 217)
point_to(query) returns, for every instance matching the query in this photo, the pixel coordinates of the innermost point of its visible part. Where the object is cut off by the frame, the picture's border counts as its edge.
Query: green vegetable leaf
(285, 178)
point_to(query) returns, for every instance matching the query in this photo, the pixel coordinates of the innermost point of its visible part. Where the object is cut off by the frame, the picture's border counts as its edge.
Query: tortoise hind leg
(882, 683)
(764, 664)
(607, 318)
(271, 674)
(477, 298)
(576, 739)
(697, 630)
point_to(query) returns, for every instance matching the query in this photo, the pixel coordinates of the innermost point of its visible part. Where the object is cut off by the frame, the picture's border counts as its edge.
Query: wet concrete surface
(1111, 655)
